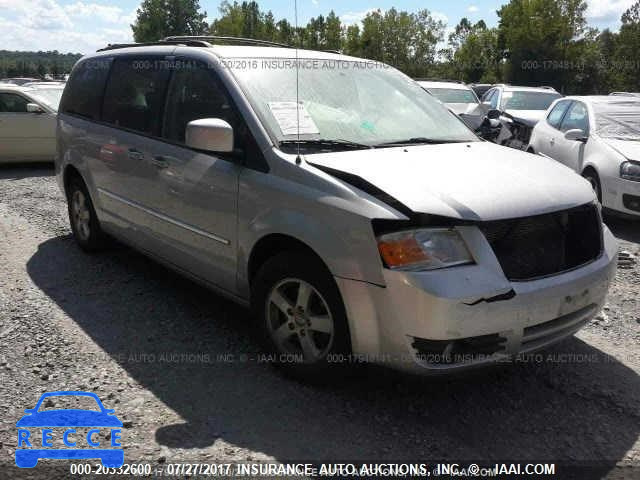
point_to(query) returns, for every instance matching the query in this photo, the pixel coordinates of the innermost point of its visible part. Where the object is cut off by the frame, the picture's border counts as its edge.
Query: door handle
(135, 154)
(552, 141)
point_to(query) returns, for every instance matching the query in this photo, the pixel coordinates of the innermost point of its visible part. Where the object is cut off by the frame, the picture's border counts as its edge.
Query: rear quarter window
(83, 94)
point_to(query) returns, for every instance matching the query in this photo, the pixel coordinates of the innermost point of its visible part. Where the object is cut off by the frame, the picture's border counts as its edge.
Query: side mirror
(576, 135)
(210, 134)
(34, 108)
(494, 114)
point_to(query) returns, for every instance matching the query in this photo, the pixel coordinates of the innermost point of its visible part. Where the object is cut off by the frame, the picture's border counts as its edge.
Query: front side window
(576, 118)
(135, 94)
(555, 115)
(12, 103)
(527, 100)
(361, 103)
(193, 94)
(453, 95)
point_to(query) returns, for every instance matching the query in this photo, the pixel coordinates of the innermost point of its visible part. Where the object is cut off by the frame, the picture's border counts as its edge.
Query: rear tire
(300, 316)
(82, 217)
(592, 176)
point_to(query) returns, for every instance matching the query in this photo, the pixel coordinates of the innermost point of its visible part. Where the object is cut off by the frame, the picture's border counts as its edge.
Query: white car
(458, 97)
(521, 108)
(28, 123)
(598, 137)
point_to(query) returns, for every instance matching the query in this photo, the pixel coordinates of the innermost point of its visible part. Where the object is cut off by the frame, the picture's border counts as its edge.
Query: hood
(630, 149)
(459, 108)
(470, 181)
(528, 117)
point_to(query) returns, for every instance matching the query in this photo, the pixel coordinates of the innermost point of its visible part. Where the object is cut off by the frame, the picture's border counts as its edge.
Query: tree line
(536, 42)
(36, 64)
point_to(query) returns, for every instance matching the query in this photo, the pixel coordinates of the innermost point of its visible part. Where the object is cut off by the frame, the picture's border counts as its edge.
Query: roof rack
(196, 41)
(193, 43)
(219, 38)
(444, 80)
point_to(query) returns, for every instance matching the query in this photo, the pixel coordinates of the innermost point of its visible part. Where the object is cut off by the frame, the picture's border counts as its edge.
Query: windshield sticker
(287, 118)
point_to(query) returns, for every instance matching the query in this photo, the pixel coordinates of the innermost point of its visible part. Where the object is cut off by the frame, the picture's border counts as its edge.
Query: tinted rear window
(83, 93)
(135, 94)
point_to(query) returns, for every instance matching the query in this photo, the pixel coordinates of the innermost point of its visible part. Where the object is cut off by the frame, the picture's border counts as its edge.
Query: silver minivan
(356, 216)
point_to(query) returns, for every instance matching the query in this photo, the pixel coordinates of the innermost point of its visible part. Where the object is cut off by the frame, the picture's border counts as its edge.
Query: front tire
(82, 217)
(300, 316)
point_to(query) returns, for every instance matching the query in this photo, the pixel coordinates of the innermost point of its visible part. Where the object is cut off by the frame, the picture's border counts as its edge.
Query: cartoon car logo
(28, 452)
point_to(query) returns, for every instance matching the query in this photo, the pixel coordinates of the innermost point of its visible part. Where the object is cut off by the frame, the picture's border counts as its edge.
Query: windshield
(524, 100)
(363, 103)
(49, 96)
(453, 95)
(619, 120)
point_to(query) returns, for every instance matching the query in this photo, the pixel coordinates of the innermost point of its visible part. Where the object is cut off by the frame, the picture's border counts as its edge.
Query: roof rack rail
(191, 43)
(444, 80)
(216, 38)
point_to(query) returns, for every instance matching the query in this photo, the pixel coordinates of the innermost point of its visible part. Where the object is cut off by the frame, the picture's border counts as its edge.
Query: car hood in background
(467, 108)
(630, 149)
(471, 181)
(528, 117)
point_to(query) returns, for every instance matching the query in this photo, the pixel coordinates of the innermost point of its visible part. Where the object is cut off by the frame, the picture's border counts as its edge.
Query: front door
(24, 135)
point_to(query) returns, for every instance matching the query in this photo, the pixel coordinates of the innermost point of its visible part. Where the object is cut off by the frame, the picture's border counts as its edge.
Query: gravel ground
(116, 323)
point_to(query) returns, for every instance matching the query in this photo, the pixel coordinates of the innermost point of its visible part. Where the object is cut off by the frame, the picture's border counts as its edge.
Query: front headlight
(424, 249)
(630, 171)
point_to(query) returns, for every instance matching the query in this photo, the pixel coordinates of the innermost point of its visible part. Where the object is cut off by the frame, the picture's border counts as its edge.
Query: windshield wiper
(418, 141)
(326, 144)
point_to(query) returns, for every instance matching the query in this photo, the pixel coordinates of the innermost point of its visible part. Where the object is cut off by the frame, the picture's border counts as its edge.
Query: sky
(86, 25)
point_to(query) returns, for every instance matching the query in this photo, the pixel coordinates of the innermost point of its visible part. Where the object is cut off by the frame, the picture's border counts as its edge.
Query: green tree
(157, 19)
(333, 32)
(538, 36)
(626, 62)
(353, 42)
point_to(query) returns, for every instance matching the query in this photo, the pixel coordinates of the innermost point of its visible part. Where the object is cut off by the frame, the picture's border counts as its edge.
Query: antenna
(298, 159)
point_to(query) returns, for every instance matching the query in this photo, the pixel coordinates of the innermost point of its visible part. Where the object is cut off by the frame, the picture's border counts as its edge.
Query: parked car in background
(462, 101)
(599, 138)
(44, 84)
(455, 95)
(347, 207)
(521, 108)
(18, 80)
(625, 94)
(28, 123)
(480, 88)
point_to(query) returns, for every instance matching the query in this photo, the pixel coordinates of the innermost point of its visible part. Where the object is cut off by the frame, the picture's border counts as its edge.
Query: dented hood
(471, 181)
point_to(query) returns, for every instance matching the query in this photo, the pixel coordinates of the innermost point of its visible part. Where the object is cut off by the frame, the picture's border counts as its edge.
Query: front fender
(346, 245)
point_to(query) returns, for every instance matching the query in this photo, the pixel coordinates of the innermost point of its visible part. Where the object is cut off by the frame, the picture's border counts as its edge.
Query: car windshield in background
(49, 96)
(344, 105)
(619, 120)
(453, 95)
(525, 100)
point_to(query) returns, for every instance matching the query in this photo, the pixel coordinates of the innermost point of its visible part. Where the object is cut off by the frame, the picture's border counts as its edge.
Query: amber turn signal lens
(403, 251)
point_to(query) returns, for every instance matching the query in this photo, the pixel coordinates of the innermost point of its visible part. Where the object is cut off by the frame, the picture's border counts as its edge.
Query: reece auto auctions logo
(36, 433)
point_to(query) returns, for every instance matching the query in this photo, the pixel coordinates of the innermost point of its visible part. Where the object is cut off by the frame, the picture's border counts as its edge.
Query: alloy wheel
(81, 215)
(299, 320)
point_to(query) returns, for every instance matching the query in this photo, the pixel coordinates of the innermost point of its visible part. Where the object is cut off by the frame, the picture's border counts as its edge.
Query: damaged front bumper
(462, 317)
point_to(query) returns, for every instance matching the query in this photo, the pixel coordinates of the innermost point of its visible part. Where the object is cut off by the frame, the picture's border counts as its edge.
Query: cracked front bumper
(458, 304)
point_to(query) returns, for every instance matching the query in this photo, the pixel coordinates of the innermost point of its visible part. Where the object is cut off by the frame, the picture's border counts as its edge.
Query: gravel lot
(116, 323)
